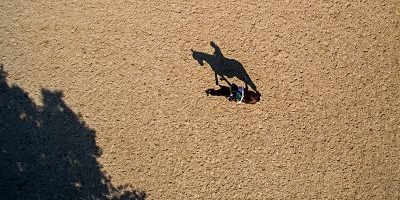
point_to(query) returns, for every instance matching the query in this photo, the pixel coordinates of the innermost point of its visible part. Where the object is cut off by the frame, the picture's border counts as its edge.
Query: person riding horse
(223, 67)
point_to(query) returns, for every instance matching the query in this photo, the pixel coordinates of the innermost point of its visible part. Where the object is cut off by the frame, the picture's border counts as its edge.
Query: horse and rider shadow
(226, 68)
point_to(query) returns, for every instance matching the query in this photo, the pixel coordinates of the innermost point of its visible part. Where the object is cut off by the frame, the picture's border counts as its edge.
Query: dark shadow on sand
(48, 152)
(250, 97)
(224, 67)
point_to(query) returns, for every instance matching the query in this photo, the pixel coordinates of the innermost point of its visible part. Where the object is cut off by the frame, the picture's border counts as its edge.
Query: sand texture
(104, 100)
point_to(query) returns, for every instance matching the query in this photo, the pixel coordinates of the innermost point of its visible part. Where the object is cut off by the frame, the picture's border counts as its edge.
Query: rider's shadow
(224, 67)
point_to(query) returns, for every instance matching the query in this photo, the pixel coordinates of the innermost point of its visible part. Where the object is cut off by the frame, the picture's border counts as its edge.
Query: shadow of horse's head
(199, 56)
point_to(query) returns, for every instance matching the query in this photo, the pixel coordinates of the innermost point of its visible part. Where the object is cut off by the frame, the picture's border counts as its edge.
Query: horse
(250, 97)
(223, 66)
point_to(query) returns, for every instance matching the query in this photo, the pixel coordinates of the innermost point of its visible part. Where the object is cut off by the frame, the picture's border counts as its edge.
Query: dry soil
(327, 125)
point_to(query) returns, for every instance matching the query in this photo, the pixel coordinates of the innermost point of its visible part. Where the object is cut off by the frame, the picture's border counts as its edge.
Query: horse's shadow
(224, 67)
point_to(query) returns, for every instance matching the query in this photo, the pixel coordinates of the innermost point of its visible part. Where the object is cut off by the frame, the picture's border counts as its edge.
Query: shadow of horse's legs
(223, 78)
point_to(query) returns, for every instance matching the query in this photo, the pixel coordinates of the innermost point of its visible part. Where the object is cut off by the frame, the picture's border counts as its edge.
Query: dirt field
(327, 125)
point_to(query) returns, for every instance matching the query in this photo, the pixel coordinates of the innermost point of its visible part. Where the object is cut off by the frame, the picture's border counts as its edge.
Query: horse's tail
(249, 82)
(241, 73)
(245, 77)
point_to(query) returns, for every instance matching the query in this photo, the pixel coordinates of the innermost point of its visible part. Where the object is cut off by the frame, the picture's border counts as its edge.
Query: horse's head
(252, 97)
(198, 56)
(257, 96)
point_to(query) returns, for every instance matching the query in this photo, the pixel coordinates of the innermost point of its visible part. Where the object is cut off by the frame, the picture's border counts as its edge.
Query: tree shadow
(224, 67)
(48, 152)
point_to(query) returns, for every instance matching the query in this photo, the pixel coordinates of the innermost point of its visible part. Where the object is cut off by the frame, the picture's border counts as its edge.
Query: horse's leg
(216, 79)
(223, 78)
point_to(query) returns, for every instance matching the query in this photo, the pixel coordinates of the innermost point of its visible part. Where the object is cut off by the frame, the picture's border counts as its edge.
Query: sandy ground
(327, 125)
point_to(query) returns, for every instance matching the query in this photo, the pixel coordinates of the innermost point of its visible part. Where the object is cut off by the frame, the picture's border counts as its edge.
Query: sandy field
(103, 100)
